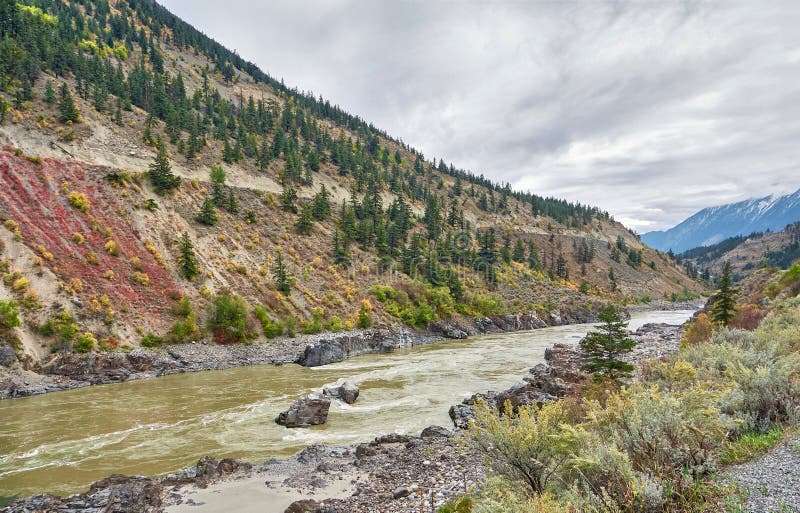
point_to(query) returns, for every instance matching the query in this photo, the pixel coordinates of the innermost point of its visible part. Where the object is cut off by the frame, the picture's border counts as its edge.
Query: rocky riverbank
(64, 371)
(393, 473)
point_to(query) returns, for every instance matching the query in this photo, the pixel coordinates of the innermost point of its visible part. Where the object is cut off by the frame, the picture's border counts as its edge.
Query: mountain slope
(714, 224)
(747, 253)
(293, 213)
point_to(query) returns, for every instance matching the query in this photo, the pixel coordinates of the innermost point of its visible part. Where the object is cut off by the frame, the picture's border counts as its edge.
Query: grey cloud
(648, 110)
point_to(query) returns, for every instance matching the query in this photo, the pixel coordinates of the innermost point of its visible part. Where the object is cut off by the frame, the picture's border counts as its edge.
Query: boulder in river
(346, 392)
(307, 411)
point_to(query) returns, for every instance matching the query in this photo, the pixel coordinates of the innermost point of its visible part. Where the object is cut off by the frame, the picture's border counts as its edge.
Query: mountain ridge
(714, 224)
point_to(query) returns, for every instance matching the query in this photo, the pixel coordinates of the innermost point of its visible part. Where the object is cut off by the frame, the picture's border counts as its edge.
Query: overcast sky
(650, 110)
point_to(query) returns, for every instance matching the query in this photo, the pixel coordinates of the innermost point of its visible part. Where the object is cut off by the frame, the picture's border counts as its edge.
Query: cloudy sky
(650, 110)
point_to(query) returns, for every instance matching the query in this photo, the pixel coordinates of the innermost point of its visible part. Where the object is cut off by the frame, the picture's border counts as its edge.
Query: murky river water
(63, 441)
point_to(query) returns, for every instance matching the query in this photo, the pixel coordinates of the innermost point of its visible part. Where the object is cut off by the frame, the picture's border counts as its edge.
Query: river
(63, 441)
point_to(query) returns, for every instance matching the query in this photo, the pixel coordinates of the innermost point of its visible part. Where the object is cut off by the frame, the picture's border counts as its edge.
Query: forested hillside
(157, 187)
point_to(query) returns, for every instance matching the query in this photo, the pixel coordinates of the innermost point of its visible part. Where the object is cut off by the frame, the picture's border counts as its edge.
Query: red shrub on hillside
(37, 198)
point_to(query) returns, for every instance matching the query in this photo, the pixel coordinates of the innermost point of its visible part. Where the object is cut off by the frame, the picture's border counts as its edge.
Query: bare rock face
(346, 392)
(307, 411)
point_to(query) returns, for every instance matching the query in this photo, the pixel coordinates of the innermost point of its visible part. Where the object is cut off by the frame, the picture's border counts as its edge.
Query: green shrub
(151, 340)
(335, 324)
(9, 315)
(229, 319)
(186, 327)
(314, 325)
(530, 447)
(364, 320)
(666, 435)
(64, 327)
(84, 343)
(270, 328)
(289, 324)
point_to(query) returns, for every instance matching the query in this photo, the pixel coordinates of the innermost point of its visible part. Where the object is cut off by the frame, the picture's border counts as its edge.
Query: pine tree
(433, 217)
(208, 213)
(321, 209)
(604, 348)
(340, 253)
(49, 93)
(561, 267)
(187, 258)
(66, 106)
(305, 221)
(232, 205)
(217, 175)
(288, 196)
(283, 281)
(518, 253)
(533, 257)
(725, 299)
(160, 172)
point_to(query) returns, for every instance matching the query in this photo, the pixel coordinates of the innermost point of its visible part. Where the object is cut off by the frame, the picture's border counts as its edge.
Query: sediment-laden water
(63, 441)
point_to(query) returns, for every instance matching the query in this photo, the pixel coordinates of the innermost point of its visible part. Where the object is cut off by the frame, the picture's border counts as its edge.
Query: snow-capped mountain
(714, 224)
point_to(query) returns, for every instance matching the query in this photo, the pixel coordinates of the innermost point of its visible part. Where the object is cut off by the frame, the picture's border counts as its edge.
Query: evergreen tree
(283, 280)
(341, 255)
(605, 347)
(533, 257)
(49, 93)
(561, 267)
(160, 172)
(505, 250)
(217, 175)
(321, 209)
(66, 106)
(187, 258)
(433, 217)
(208, 213)
(518, 254)
(305, 221)
(288, 197)
(232, 205)
(724, 306)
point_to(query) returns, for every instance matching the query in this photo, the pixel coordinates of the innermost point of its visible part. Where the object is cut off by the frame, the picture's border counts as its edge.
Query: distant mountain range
(714, 224)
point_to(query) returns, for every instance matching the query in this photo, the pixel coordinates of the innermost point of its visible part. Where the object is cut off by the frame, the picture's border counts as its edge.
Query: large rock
(114, 494)
(304, 506)
(307, 411)
(346, 392)
(461, 415)
(8, 357)
(523, 394)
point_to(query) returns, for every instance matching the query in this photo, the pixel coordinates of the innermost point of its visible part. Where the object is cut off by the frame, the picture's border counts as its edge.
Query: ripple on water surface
(63, 441)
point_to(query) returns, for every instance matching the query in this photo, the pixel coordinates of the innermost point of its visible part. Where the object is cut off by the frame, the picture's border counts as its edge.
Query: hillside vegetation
(663, 441)
(778, 249)
(156, 188)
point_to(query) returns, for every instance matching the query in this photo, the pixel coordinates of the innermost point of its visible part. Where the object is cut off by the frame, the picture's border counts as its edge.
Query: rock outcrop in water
(310, 410)
(346, 392)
